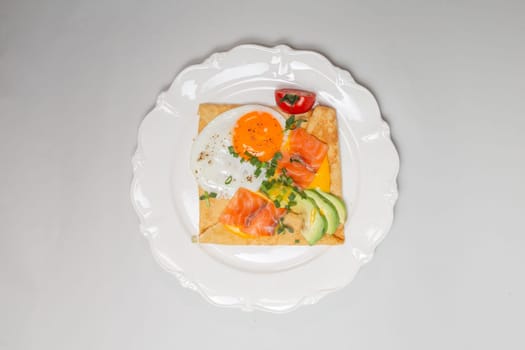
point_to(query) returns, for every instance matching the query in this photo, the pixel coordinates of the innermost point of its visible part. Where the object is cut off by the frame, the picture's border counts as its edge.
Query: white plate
(164, 192)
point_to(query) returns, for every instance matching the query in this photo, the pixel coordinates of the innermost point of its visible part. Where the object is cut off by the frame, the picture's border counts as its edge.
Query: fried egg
(248, 131)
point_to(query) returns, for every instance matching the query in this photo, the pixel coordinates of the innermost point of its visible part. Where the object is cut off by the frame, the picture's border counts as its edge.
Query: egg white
(212, 164)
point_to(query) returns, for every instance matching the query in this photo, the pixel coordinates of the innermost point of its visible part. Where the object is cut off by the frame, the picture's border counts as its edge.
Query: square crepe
(322, 123)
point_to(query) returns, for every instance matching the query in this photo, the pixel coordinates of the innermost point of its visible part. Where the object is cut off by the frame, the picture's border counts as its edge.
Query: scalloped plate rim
(138, 159)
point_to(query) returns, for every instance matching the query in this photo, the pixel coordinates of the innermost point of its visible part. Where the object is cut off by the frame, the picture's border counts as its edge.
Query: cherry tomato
(294, 101)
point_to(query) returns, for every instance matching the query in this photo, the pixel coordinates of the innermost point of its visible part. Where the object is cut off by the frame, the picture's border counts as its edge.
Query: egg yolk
(237, 231)
(259, 134)
(322, 177)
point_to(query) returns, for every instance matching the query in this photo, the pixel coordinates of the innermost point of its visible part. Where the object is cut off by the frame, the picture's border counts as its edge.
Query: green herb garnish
(232, 152)
(284, 178)
(290, 204)
(290, 98)
(289, 122)
(292, 123)
(266, 185)
(281, 227)
(282, 191)
(206, 196)
(228, 180)
(272, 164)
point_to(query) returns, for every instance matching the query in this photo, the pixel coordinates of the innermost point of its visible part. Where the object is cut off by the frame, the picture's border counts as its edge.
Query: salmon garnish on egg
(249, 214)
(308, 147)
(303, 157)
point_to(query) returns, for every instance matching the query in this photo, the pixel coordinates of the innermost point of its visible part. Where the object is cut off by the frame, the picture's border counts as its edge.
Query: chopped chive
(289, 122)
(228, 180)
(298, 123)
(206, 196)
(282, 227)
(232, 152)
(292, 123)
(265, 186)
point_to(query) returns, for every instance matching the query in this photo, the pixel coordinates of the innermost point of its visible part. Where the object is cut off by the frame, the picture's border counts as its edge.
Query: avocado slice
(337, 203)
(314, 223)
(327, 209)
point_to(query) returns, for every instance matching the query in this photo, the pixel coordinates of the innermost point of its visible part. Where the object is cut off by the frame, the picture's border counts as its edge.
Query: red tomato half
(294, 101)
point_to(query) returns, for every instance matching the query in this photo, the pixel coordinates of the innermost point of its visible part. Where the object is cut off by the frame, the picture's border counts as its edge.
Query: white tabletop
(76, 79)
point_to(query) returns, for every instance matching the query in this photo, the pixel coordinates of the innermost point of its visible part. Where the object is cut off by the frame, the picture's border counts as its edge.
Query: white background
(76, 79)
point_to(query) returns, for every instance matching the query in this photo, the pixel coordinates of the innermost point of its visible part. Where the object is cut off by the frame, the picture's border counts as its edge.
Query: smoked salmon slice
(308, 147)
(304, 157)
(251, 213)
(298, 171)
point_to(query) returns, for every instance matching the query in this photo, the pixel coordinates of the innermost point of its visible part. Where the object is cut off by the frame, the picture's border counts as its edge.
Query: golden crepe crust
(218, 234)
(209, 214)
(208, 112)
(322, 123)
